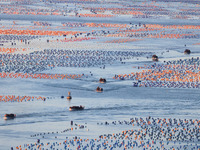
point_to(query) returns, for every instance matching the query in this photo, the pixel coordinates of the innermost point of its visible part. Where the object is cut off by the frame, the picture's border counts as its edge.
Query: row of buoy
(14, 98)
(96, 15)
(139, 33)
(122, 40)
(39, 76)
(12, 50)
(163, 84)
(144, 133)
(174, 74)
(96, 25)
(190, 64)
(49, 58)
(41, 23)
(31, 12)
(74, 40)
(131, 31)
(166, 129)
(36, 32)
(149, 9)
(21, 38)
(173, 36)
(159, 26)
(74, 126)
(134, 13)
(142, 35)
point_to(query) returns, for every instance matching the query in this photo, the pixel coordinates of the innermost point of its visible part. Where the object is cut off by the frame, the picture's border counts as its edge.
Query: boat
(9, 116)
(98, 89)
(101, 80)
(76, 108)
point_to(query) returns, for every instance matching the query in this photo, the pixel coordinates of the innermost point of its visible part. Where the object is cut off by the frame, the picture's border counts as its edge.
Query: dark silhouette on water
(98, 89)
(187, 51)
(155, 58)
(101, 80)
(76, 108)
(9, 116)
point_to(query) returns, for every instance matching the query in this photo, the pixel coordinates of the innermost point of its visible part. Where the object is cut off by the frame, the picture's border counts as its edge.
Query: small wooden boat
(98, 89)
(101, 80)
(155, 58)
(187, 51)
(9, 116)
(76, 108)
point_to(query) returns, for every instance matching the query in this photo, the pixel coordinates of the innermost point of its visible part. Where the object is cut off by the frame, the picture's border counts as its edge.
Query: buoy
(69, 96)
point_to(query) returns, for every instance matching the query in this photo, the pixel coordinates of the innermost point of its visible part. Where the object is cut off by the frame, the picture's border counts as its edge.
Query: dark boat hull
(9, 116)
(75, 108)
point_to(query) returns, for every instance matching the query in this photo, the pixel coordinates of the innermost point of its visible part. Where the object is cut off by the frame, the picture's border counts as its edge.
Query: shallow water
(46, 120)
(115, 103)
